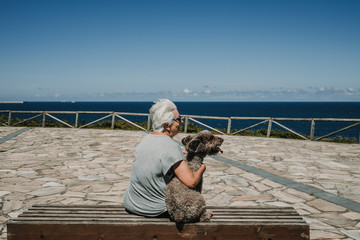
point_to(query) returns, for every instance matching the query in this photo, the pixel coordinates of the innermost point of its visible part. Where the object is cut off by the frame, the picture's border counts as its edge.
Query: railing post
(76, 119)
(9, 121)
(229, 126)
(44, 119)
(186, 124)
(269, 128)
(148, 123)
(312, 130)
(113, 121)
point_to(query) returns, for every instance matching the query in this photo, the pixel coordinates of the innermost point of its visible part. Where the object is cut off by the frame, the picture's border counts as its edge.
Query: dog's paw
(206, 216)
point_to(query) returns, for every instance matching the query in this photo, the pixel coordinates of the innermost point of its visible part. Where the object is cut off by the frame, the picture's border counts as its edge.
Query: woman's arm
(186, 176)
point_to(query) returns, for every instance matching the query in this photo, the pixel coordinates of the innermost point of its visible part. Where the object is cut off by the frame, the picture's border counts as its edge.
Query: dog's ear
(193, 145)
(186, 140)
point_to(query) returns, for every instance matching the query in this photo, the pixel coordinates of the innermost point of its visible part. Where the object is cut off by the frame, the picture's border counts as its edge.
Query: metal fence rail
(187, 118)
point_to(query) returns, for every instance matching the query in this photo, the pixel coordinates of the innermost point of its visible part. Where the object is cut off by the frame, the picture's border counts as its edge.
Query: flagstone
(52, 184)
(47, 191)
(323, 235)
(326, 206)
(252, 198)
(9, 206)
(235, 180)
(287, 197)
(352, 215)
(318, 224)
(3, 193)
(222, 199)
(260, 187)
(271, 183)
(15, 214)
(90, 177)
(355, 234)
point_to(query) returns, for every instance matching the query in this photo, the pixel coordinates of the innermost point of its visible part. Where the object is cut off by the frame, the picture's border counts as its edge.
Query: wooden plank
(111, 213)
(154, 231)
(105, 217)
(110, 207)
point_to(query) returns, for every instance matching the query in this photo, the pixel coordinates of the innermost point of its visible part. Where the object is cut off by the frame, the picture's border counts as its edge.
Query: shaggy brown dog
(185, 204)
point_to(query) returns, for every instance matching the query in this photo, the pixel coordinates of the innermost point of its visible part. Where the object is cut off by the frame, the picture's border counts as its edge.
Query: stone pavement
(86, 166)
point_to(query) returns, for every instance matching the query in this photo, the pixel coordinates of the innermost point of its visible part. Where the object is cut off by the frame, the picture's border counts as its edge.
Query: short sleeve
(171, 156)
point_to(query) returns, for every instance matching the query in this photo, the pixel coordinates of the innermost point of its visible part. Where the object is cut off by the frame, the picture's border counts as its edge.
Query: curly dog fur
(185, 204)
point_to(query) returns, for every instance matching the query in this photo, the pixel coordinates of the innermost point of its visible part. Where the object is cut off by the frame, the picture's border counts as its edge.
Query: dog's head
(204, 143)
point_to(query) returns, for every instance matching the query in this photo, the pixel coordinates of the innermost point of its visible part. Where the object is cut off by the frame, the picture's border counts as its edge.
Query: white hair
(160, 113)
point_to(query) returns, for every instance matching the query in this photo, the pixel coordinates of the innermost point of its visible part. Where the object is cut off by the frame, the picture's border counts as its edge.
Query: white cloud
(351, 91)
(187, 91)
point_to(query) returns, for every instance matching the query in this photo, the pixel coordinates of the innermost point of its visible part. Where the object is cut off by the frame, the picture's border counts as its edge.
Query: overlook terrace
(91, 167)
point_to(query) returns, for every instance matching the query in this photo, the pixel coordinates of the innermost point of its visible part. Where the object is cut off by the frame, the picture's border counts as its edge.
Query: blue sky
(183, 50)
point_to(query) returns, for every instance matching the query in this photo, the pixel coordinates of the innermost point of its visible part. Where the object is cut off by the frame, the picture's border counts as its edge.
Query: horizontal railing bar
(132, 114)
(93, 112)
(206, 117)
(338, 119)
(79, 112)
(51, 112)
(293, 119)
(249, 118)
(300, 119)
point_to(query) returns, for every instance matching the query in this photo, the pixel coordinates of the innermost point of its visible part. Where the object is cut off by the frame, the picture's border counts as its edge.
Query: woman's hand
(186, 176)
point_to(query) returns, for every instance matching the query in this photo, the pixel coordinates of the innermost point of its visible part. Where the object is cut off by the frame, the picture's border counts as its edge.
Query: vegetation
(192, 128)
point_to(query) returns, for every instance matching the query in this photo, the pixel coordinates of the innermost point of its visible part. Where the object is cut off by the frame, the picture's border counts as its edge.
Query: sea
(343, 110)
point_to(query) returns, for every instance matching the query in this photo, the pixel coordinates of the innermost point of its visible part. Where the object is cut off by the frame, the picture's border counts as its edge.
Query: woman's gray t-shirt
(154, 157)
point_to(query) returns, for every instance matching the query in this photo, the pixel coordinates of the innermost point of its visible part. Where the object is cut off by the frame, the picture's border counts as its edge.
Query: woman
(157, 159)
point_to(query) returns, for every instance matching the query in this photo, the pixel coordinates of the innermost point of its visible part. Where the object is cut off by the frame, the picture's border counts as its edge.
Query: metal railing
(187, 118)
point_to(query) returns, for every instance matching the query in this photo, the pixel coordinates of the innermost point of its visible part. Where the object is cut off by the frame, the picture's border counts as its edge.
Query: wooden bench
(60, 222)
